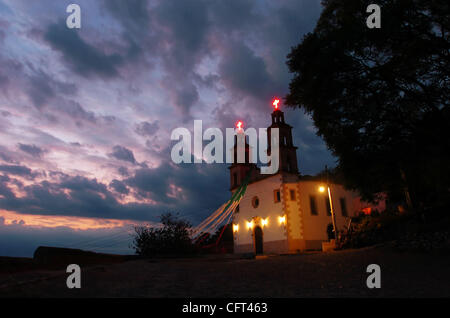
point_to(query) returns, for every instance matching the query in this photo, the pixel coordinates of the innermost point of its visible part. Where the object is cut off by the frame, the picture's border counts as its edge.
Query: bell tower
(288, 152)
(238, 171)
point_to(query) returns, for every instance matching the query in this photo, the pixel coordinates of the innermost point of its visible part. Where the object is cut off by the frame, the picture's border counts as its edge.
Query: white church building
(285, 212)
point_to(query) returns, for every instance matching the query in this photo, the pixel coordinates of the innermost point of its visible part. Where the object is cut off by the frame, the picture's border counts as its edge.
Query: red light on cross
(239, 124)
(276, 102)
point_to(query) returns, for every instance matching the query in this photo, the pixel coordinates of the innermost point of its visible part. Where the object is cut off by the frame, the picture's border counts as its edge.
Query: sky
(86, 114)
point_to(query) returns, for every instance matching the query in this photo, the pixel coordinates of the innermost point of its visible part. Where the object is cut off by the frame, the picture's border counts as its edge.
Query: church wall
(315, 226)
(274, 234)
(292, 208)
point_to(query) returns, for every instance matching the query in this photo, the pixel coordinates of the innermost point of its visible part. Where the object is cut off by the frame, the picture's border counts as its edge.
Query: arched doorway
(258, 240)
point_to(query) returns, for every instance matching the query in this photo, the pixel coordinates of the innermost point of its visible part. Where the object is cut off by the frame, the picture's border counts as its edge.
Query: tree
(380, 97)
(172, 238)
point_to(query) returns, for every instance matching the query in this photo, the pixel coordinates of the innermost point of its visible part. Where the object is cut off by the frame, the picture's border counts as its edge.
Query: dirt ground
(334, 274)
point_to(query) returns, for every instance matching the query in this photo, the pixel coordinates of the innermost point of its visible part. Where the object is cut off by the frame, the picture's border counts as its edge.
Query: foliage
(172, 238)
(368, 230)
(380, 97)
(404, 231)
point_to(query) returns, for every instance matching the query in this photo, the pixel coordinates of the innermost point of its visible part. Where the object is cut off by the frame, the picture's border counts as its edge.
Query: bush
(172, 238)
(405, 231)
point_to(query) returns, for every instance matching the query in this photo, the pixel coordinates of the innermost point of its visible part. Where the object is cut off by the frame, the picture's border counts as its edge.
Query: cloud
(123, 171)
(33, 150)
(119, 186)
(169, 187)
(18, 170)
(245, 72)
(147, 129)
(122, 153)
(42, 87)
(132, 14)
(182, 187)
(72, 196)
(184, 97)
(83, 58)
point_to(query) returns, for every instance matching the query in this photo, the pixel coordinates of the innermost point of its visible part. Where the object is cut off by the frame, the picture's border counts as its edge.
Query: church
(285, 212)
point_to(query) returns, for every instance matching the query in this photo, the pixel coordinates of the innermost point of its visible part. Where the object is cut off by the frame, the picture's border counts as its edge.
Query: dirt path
(336, 274)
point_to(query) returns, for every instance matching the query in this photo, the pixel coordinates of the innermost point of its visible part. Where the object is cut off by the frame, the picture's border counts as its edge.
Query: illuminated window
(276, 196)
(292, 193)
(343, 206)
(255, 202)
(313, 205)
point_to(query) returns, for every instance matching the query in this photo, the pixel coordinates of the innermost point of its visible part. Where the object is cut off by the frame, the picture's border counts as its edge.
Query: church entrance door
(258, 240)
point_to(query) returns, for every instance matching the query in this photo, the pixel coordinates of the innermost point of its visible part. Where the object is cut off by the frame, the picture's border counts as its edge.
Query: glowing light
(282, 219)
(321, 189)
(249, 225)
(275, 103)
(239, 124)
(235, 227)
(265, 221)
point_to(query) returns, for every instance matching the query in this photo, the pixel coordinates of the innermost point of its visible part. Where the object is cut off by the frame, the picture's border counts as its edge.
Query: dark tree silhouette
(380, 97)
(172, 238)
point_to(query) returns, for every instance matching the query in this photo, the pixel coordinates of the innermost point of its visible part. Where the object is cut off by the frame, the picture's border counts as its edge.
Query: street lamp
(333, 217)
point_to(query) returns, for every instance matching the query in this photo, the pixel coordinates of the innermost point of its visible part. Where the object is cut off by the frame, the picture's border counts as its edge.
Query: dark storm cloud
(18, 170)
(119, 186)
(312, 153)
(182, 37)
(152, 183)
(186, 27)
(243, 71)
(75, 112)
(122, 153)
(132, 14)
(84, 197)
(73, 196)
(84, 59)
(183, 33)
(5, 157)
(42, 87)
(123, 171)
(147, 129)
(33, 150)
(193, 181)
(184, 97)
(5, 191)
(232, 15)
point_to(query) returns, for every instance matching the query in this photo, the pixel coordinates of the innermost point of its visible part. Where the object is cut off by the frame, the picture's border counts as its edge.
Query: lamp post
(333, 216)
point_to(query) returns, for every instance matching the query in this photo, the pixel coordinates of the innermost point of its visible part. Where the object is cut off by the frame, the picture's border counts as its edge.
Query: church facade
(284, 212)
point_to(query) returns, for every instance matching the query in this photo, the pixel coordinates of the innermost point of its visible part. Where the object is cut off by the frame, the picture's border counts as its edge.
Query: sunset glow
(53, 221)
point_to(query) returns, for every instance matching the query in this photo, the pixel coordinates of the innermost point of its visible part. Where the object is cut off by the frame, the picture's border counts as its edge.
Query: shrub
(171, 238)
